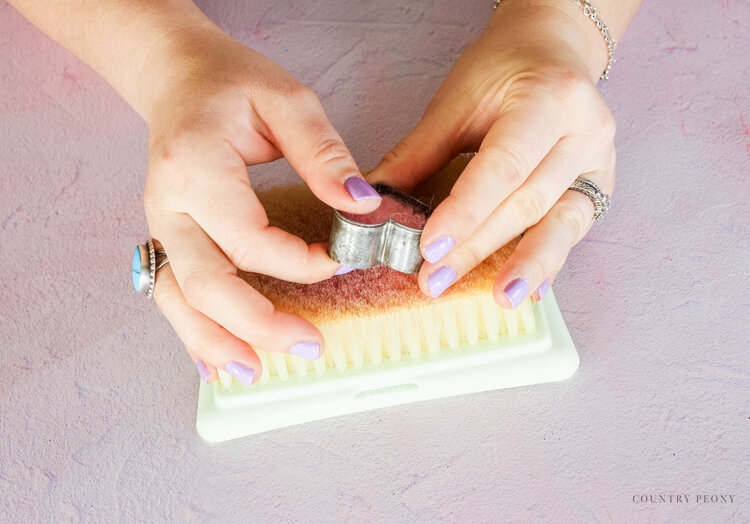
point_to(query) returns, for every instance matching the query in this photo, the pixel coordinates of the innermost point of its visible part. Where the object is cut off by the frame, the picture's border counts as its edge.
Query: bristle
(430, 330)
(511, 323)
(354, 344)
(469, 319)
(526, 313)
(265, 376)
(391, 330)
(448, 318)
(448, 325)
(490, 319)
(225, 379)
(410, 334)
(335, 354)
(299, 365)
(373, 344)
(279, 366)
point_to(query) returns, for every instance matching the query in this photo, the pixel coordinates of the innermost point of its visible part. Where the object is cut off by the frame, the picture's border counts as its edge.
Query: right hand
(216, 107)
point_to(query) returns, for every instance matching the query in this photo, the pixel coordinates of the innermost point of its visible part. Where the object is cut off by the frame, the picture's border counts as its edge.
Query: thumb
(299, 128)
(429, 147)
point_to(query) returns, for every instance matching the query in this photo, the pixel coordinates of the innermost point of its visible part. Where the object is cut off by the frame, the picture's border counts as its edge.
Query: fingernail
(516, 291)
(202, 370)
(359, 189)
(543, 288)
(241, 372)
(440, 280)
(308, 350)
(343, 270)
(438, 249)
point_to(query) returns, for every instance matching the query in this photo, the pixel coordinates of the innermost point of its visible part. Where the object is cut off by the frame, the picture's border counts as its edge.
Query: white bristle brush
(385, 342)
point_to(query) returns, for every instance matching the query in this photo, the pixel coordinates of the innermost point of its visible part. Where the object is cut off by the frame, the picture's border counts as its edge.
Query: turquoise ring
(146, 262)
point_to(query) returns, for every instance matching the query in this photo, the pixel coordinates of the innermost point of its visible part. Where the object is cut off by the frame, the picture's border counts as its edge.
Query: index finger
(213, 187)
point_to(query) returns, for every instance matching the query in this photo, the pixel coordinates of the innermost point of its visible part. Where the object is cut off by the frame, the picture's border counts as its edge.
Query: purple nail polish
(343, 270)
(438, 249)
(543, 288)
(359, 189)
(202, 370)
(241, 372)
(440, 280)
(308, 350)
(516, 291)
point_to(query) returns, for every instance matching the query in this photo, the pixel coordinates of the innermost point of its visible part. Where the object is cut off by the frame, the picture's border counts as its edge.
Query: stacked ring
(598, 198)
(146, 262)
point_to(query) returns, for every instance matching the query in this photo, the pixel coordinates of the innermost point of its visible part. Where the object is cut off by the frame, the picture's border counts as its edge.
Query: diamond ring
(598, 198)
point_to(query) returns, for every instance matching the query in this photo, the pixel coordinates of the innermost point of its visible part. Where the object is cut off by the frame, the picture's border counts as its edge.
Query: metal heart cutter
(389, 235)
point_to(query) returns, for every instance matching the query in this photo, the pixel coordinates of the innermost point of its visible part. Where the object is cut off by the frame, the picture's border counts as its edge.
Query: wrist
(556, 29)
(169, 61)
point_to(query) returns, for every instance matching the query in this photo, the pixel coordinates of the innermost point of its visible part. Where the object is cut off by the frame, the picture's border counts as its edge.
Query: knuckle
(573, 217)
(604, 125)
(164, 300)
(330, 150)
(471, 220)
(471, 255)
(302, 97)
(243, 250)
(507, 164)
(175, 146)
(265, 337)
(398, 153)
(392, 157)
(454, 210)
(530, 206)
(241, 254)
(169, 166)
(539, 265)
(196, 287)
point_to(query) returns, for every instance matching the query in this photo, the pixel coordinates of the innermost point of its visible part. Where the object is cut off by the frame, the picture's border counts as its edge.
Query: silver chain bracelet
(589, 11)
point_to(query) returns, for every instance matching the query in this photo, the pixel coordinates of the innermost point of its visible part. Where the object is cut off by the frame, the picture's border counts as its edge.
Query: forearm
(587, 46)
(114, 37)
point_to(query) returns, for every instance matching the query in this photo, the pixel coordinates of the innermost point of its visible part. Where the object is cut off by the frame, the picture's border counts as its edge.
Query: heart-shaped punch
(389, 235)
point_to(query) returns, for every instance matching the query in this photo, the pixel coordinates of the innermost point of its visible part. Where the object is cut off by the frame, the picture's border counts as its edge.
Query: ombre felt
(391, 208)
(362, 292)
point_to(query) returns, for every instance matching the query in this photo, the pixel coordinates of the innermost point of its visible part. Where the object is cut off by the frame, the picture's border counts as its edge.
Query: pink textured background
(97, 397)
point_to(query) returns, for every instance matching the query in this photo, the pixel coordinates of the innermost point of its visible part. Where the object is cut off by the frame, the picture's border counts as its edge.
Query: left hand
(523, 95)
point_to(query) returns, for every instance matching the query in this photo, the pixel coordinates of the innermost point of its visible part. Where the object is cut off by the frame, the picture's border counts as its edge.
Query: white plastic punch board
(547, 356)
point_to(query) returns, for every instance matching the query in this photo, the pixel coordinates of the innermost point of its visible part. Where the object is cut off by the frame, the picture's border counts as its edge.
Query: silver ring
(597, 196)
(146, 262)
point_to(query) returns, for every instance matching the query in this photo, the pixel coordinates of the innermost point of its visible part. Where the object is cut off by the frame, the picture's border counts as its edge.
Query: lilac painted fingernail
(438, 249)
(516, 291)
(202, 370)
(440, 280)
(241, 372)
(359, 189)
(308, 350)
(543, 288)
(343, 270)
